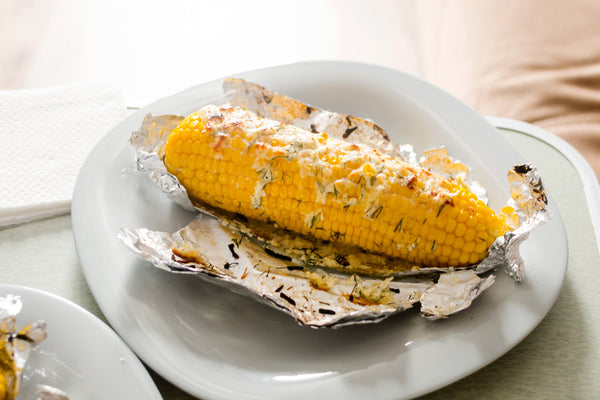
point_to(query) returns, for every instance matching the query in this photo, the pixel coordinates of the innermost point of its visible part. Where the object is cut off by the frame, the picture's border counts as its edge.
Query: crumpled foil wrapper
(149, 143)
(15, 344)
(253, 258)
(454, 291)
(314, 296)
(269, 104)
(529, 201)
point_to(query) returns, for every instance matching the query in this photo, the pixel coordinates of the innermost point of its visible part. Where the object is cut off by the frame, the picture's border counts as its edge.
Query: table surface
(559, 359)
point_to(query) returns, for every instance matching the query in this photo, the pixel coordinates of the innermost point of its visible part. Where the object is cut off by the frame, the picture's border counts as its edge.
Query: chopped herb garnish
(238, 241)
(440, 210)
(267, 98)
(287, 298)
(266, 175)
(351, 297)
(349, 131)
(326, 311)
(341, 260)
(315, 218)
(321, 186)
(277, 255)
(229, 265)
(399, 226)
(250, 144)
(287, 157)
(522, 168)
(335, 191)
(337, 235)
(231, 249)
(374, 213)
(297, 145)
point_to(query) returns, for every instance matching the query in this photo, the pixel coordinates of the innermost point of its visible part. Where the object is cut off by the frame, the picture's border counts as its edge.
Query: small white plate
(216, 344)
(81, 355)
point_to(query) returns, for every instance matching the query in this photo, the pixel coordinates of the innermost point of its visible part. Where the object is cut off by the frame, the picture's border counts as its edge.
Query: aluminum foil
(149, 142)
(529, 201)
(269, 104)
(15, 344)
(314, 296)
(453, 292)
(314, 281)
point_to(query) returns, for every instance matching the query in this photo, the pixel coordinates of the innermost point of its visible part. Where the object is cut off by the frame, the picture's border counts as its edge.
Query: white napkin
(45, 136)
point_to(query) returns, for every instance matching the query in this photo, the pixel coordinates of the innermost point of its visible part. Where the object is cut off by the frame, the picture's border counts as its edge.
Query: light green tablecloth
(560, 359)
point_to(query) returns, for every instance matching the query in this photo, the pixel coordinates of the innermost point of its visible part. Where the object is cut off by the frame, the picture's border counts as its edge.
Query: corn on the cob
(329, 189)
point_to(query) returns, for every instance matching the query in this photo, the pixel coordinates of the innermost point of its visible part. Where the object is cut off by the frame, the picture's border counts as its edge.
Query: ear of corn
(329, 189)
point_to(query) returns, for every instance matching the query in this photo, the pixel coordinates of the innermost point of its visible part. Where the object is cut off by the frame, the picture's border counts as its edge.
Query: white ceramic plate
(219, 345)
(81, 355)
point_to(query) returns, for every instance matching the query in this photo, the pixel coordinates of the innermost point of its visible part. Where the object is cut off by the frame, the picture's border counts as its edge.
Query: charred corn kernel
(328, 189)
